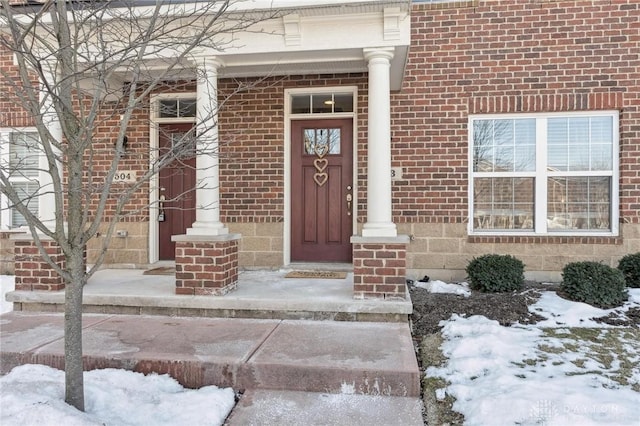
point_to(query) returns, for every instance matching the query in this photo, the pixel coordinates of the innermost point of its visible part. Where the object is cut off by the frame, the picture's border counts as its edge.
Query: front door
(322, 190)
(176, 207)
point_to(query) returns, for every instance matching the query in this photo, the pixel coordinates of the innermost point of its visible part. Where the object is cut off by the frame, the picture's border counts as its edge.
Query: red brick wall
(135, 159)
(252, 143)
(32, 272)
(206, 268)
(509, 56)
(466, 57)
(379, 270)
(11, 115)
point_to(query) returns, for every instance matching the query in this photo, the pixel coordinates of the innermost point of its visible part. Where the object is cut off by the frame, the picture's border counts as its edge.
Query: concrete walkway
(291, 371)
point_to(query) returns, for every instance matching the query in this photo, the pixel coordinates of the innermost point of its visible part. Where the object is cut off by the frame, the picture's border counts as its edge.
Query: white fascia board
(234, 6)
(316, 33)
(321, 39)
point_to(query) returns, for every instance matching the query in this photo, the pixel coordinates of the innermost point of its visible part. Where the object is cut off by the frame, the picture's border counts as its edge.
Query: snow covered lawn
(7, 284)
(565, 370)
(34, 395)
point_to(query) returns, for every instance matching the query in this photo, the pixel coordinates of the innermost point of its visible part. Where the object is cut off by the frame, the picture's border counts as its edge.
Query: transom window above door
(176, 108)
(321, 103)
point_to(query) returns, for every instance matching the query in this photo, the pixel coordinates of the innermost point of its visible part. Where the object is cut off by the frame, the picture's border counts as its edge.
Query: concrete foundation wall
(261, 244)
(443, 251)
(6, 254)
(439, 250)
(130, 250)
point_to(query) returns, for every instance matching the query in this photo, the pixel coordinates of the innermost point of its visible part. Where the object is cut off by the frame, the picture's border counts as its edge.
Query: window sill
(545, 239)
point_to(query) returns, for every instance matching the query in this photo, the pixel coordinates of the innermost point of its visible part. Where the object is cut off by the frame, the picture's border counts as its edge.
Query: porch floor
(259, 294)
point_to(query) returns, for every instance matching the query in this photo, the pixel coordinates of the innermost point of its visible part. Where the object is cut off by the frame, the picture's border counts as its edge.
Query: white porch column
(47, 199)
(207, 148)
(379, 220)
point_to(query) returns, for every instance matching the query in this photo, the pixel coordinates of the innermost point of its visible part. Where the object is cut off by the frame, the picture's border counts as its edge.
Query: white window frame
(155, 107)
(6, 216)
(541, 176)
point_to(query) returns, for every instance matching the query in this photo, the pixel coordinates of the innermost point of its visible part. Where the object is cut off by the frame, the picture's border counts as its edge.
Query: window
(321, 103)
(544, 173)
(177, 108)
(321, 142)
(21, 156)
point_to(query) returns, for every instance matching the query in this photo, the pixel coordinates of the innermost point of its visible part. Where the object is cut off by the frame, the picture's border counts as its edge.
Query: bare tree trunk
(76, 270)
(74, 380)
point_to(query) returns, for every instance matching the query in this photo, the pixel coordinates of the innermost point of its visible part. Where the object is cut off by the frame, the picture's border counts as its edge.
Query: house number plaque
(125, 176)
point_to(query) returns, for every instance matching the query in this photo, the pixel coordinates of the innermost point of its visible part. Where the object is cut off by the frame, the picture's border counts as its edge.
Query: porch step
(245, 354)
(259, 295)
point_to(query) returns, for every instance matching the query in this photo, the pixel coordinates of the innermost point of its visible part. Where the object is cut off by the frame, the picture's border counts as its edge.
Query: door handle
(349, 198)
(161, 217)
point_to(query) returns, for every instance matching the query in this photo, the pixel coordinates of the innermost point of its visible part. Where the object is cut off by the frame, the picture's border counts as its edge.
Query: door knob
(349, 198)
(161, 217)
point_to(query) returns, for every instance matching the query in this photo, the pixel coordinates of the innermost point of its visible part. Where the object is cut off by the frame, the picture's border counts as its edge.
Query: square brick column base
(206, 265)
(380, 267)
(32, 272)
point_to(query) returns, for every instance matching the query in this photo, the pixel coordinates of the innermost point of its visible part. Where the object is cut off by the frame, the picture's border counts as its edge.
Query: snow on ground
(557, 372)
(562, 312)
(435, 286)
(7, 283)
(34, 394)
(565, 370)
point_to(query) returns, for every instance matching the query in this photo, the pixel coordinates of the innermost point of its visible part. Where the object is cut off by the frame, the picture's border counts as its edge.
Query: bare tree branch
(81, 68)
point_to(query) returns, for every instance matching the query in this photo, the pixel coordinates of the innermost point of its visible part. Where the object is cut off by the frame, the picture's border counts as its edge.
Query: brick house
(402, 137)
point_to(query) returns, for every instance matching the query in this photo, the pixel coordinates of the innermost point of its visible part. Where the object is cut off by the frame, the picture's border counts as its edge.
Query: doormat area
(328, 275)
(162, 270)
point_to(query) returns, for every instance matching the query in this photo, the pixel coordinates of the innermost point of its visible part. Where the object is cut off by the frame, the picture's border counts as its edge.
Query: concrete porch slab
(259, 294)
(290, 408)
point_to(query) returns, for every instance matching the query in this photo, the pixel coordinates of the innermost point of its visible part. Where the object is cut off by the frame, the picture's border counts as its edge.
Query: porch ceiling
(284, 63)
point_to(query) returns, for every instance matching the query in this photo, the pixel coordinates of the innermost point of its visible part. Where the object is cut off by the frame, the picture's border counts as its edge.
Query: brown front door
(177, 187)
(322, 190)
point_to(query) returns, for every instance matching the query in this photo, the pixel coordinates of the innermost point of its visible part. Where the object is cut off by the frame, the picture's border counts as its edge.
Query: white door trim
(154, 124)
(288, 118)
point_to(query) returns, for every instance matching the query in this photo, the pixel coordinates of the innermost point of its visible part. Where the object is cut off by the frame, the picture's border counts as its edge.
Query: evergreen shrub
(495, 273)
(630, 267)
(594, 283)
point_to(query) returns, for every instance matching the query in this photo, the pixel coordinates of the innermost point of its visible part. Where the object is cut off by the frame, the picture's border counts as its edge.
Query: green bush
(495, 273)
(594, 283)
(630, 267)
